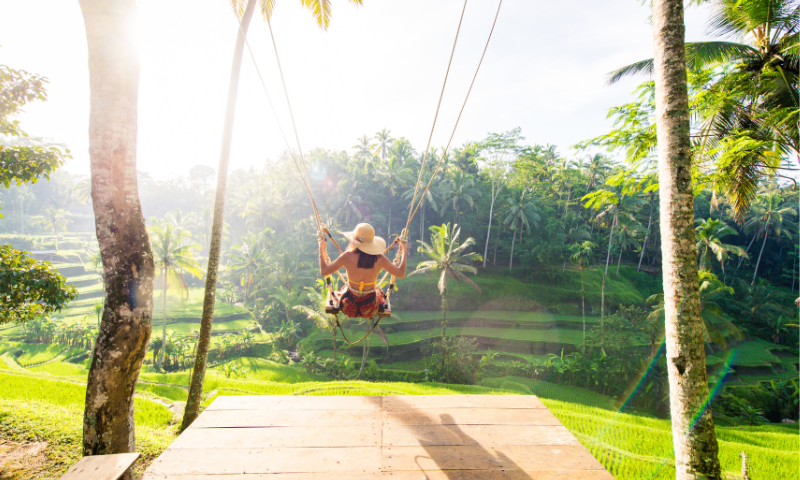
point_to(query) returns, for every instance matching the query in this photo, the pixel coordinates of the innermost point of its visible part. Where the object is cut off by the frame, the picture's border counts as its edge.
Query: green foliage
(29, 288)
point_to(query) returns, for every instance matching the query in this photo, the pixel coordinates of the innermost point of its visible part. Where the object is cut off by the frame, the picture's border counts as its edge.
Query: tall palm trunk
(511, 261)
(646, 235)
(694, 439)
(206, 321)
(583, 310)
(121, 344)
(619, 259)
(611, 238)
(489, 231)
(164, 318)
(758, 262)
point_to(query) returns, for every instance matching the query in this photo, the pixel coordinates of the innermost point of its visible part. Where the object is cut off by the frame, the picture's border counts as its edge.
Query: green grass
(549, 390)
(553, 335)
(62, 369)
(185, 328)
(168, 392)
(61, 393)
(179, 306)
(265, 370)
(37, 353)
(549, 288)
(545, 318)
(636, 447)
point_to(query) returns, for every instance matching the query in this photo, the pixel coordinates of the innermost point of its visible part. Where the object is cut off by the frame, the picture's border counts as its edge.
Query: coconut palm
(709, 235)
(459, 190)
(430, 199)
(583, 256)
(575, 233)
(55, 219)
(759, 303)
(694, 439)
(449, 257)
(717, 327)
(520, 213)
(627, 238)
(768, 216)
(172, 259)
(383, 143)
(248, 261)
(363, 148)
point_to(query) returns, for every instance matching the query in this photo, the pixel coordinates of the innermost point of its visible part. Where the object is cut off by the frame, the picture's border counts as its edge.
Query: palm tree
(575, 233)
(402, 149)
(449, 257)
(767, 216)
(709, 235)
(760, 303)
(460, 189)
(316, 312)
(383, 143)
(288, 298)
(244, 9)
(520, 213)
(173, 259)
(596, 170)
(429, 199)
(694, 439)
(627, 238)
(121, 232)
(55, 218)
(363, 148)
(247, 261)
(583, 256)
(748, 114)
(716, 325)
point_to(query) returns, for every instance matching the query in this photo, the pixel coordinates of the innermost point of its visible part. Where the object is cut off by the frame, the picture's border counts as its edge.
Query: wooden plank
(495, 435)
(286, 418)
(214, 461)
(471, 416)
(545, 457)
(274, 476)
(499, 475)
(294, 402)
(101, 467)
(310, 437)
(408, 402)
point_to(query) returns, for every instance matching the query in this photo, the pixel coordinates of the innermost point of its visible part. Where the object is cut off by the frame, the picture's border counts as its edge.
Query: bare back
(356, 275)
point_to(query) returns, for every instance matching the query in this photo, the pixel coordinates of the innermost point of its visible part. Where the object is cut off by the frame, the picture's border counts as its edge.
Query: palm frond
(632, 69)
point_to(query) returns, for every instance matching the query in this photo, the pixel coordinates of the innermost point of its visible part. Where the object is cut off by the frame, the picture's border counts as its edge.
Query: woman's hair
(365, 260)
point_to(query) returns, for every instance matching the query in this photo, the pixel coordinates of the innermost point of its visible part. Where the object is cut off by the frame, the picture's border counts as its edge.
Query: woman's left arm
(326, 268)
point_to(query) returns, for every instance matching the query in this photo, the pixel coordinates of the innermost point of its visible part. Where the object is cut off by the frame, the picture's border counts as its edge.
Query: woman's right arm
(389, 266)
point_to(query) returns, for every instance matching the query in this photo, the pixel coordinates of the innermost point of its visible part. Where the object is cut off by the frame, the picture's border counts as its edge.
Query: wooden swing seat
(333, 305)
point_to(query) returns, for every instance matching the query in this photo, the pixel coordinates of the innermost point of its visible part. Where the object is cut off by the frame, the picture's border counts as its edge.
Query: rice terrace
(479, 239)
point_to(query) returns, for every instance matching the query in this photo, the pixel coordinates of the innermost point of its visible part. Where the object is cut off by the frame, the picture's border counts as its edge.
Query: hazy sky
(378, 66)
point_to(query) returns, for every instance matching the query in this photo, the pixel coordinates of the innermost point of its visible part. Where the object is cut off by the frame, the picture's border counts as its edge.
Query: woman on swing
(363, 260)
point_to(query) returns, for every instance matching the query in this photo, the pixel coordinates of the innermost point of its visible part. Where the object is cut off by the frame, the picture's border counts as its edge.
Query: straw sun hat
(364, 238)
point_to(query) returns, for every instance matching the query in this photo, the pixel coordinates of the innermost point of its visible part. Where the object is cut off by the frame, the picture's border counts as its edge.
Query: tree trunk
(444, 325)
(610, 239)
(603, 312)
(365, 351)
(108, 423)
(164, 324)
(583, 311)
(511, 260)
(758, 262)
(207, 319)
(694, 439)
(496, 241)
(566, 206)
(646, 235)
(619, 259)
(489, 231)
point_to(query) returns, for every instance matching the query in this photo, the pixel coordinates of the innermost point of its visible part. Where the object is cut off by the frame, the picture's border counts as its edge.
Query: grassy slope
(631, 446)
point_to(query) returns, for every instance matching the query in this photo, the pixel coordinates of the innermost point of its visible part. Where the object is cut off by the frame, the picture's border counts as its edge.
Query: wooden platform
(463, 437)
